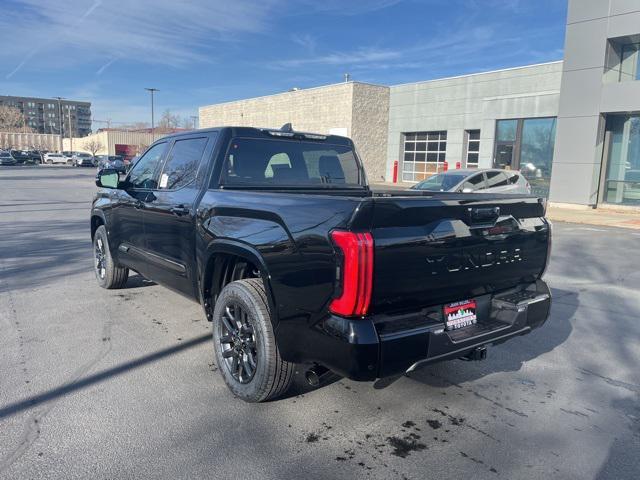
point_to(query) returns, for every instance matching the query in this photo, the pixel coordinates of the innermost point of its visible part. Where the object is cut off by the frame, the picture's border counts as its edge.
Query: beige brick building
(353, 109)
(113, 142)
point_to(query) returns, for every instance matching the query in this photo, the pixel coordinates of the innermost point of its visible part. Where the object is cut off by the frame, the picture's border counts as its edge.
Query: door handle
(179, 210)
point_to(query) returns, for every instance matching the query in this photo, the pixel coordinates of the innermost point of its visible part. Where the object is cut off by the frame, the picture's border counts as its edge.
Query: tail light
(356, 273)
(549, 245)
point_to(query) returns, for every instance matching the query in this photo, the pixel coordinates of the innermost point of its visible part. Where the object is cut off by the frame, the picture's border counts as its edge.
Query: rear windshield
(297, 163)
(440, 182)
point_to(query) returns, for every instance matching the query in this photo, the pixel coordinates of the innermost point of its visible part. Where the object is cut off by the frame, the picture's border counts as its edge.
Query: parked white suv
(52, 158)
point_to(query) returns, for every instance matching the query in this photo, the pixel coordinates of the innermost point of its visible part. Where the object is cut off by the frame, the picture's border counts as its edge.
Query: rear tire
(245, 347)
(108, 274)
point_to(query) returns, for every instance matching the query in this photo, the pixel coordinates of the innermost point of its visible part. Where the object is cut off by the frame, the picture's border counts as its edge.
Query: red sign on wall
(126, 151)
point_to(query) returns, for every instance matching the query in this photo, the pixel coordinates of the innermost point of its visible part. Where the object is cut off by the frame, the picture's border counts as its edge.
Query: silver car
(81, 159)
(487, 180)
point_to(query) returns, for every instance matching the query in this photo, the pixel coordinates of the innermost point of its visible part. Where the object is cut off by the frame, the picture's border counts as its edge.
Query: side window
(513, 179)
(142, 174)
(474, 183)
(496, 179)
(182, 163)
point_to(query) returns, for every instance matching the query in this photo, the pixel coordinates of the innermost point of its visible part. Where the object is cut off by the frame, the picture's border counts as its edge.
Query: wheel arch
(211, 277)
(97, 219)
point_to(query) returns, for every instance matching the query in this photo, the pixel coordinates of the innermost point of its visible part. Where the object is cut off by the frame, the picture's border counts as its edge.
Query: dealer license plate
(460, 314)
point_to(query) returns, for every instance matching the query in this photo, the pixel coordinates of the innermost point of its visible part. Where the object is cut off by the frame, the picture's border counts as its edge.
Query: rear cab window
(262, 162)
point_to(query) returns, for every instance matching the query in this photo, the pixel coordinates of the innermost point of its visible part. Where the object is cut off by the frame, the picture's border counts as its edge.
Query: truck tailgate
(449, 247)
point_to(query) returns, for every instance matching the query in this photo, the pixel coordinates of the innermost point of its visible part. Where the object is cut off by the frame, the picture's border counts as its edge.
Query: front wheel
(108, 274)
(244, 343)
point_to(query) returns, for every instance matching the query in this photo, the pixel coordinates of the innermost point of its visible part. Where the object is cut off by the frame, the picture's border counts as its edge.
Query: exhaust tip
(312, 378)
(316, 374)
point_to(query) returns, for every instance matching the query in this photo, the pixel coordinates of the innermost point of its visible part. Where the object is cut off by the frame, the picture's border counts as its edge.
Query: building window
(527, 145)
(424, 153)
(472, 148)
(623, 59)
(622, 183)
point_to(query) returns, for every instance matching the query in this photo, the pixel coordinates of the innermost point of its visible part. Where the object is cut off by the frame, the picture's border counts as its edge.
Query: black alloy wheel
(238, 343)
(100, 258)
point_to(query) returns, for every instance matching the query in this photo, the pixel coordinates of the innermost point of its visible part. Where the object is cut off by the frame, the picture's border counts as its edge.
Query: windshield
(441, 182)
(266, 162)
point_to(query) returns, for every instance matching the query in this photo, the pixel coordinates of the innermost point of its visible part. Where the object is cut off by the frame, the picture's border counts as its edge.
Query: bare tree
(142, 147)
(134, 126)
(93, 146)
(168, 122)
(12, 120)
(188, 123)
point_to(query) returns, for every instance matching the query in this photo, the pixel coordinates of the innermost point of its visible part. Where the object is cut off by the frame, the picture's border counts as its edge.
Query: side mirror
(107, 178)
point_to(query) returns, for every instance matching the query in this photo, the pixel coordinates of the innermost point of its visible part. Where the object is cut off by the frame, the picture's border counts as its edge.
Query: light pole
(61, 119)
(195, 121)
(152, 90)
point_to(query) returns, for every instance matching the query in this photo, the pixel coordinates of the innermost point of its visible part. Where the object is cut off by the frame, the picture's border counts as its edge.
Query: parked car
(295, 260)
(6, 158)
(52, 158)
(111, 161)
(21, 156)
(68, 155)
(35, 156)
(476, 180)
(81, 159)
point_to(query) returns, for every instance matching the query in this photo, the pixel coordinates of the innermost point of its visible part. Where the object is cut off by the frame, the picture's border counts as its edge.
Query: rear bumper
(386, 346)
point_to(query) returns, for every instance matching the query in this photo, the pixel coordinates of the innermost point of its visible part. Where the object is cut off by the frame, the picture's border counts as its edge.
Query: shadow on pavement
(85, 382)
(33, 257)
(509, 356)
(138, 281)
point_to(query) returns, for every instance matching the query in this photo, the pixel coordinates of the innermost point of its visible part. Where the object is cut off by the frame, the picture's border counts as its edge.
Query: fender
(96, 213)
(239, 249)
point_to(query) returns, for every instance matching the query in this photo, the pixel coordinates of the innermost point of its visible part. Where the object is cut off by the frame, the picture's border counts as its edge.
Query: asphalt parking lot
(122, 384)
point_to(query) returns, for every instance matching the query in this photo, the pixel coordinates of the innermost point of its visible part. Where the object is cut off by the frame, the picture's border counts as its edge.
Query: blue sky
(208, 51)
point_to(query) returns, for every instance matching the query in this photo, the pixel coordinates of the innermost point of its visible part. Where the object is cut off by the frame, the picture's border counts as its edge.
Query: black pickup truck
(296, 260)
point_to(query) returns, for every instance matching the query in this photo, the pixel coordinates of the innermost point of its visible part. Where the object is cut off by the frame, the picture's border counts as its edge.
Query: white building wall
(470, 102)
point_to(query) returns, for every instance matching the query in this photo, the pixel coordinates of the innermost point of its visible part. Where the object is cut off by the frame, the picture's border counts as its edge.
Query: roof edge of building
(477, 73)
(289, 92)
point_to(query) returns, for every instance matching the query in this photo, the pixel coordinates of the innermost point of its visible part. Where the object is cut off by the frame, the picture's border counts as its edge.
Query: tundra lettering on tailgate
(468, 260)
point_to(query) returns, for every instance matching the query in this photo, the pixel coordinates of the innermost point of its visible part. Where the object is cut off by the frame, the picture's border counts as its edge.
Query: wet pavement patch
(435, 424)
(402, 447)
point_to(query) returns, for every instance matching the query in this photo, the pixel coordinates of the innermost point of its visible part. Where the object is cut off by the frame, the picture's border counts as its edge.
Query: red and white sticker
(460, 314)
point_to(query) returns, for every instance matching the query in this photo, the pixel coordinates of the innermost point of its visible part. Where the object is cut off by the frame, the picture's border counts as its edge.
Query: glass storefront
(527, 145)
(536, 153)
(622, 183)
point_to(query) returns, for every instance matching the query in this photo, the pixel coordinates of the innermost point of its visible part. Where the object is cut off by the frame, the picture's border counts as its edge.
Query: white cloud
(344, 7)
(165, 32)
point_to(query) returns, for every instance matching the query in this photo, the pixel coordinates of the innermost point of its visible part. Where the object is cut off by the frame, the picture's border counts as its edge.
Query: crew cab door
(169, 214)
(126, 228)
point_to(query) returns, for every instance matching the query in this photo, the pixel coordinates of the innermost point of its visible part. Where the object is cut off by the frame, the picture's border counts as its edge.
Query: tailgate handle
(484, 215)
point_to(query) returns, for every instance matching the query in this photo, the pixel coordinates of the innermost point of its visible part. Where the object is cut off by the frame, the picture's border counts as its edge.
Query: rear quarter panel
(290, 232)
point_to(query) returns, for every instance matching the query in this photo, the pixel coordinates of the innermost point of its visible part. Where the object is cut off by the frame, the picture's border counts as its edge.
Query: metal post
(195, 121)
(70, 131)
(152, 90)
(60, 119)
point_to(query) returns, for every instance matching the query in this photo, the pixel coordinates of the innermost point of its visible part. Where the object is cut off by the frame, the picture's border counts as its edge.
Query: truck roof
(263, 133)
